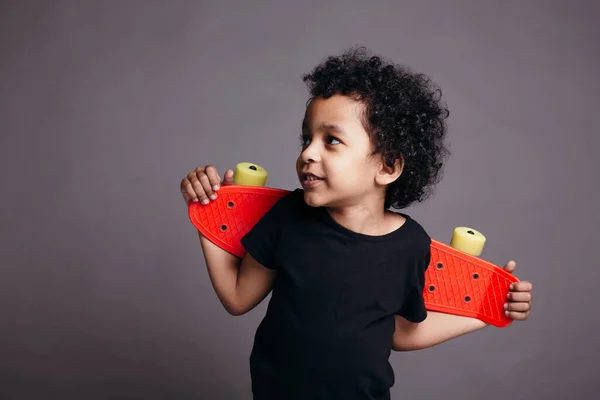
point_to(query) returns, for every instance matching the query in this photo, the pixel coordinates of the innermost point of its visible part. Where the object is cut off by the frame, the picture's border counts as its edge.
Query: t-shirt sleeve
(413, 308)
(261, 241)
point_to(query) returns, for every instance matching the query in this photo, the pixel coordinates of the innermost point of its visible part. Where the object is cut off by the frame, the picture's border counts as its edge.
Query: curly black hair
(404, 116)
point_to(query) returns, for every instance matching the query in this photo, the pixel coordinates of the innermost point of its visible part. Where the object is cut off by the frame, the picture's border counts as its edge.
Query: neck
(367, 217)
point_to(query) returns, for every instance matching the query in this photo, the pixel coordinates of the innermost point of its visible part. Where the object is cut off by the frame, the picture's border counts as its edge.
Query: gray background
(105, 106)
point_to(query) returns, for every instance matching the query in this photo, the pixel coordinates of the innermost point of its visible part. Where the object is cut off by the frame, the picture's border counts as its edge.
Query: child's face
(337, 149)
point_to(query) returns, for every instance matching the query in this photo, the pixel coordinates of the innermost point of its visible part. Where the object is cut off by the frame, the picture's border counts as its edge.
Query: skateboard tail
(461, 284)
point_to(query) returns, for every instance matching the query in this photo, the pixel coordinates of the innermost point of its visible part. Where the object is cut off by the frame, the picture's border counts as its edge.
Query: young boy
(346, 274)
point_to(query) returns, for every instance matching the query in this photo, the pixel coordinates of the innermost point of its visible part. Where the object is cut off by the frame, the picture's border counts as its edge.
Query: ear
(387, 174)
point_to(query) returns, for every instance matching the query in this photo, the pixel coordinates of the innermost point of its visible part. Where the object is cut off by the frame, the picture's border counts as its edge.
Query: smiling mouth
(310, 178)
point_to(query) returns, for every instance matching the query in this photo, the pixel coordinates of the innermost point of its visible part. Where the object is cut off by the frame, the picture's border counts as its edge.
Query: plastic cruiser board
(457, 281)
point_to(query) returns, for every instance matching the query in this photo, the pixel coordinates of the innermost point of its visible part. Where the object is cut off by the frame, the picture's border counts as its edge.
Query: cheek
(355, 175)
(347, 178)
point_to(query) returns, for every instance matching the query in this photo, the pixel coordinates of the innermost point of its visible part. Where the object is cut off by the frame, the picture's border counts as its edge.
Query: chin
(313, 199)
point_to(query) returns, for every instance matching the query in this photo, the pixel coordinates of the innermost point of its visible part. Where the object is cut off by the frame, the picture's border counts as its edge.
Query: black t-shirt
(327, 332)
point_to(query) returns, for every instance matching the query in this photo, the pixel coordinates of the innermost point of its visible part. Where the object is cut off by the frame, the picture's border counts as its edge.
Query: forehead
(337, 110)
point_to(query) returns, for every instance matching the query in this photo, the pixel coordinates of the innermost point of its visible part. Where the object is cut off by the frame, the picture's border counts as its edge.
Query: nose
(311, 153)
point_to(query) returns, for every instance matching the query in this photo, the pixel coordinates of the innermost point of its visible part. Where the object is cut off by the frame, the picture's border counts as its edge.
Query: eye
(330, 138)
(304, 140)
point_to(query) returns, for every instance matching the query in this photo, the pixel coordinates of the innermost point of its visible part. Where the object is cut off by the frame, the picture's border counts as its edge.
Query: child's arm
(435, 329)
(240, 284)
(440, 327)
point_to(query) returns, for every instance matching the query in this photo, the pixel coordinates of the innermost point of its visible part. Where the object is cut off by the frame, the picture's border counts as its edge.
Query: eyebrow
(325, 127)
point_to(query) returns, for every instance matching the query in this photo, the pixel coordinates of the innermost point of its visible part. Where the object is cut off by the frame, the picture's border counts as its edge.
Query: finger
(521, 307)
(195, 178)
(522, 286)
(213, 177)
(517, 315)
(510, 266)
(206, 188)
(519, 296)
(228, 180)
(187, 191)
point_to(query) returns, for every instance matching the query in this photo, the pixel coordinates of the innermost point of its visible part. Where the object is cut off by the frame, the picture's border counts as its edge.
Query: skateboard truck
(457, 281)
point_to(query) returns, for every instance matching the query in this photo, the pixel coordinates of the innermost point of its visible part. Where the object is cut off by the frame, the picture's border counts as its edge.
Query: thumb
(228, 178)
(510, 266)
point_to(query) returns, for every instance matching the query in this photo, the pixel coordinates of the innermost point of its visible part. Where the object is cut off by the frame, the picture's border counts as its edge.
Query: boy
(346, 274)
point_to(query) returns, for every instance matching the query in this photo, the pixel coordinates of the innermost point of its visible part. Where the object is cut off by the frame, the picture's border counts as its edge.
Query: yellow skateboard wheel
(249, 174)
(467, 240)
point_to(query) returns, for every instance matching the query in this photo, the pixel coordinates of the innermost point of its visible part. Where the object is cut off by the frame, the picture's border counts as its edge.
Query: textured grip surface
(455, 282)
(461, 284)
(237, 208)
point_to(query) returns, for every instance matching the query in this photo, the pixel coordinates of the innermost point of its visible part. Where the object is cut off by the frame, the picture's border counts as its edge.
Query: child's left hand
(519, 297)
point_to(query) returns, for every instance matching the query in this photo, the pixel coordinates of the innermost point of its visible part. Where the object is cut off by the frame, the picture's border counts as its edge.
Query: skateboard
(457, 281)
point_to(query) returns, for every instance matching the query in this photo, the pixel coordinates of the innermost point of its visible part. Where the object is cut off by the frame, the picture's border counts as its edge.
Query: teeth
(312, 178)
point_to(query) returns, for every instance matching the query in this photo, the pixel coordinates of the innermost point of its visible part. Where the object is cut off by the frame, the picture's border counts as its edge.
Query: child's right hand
(202, 184)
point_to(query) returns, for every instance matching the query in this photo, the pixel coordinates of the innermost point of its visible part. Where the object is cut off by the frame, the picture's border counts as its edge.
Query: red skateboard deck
(455, 282)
